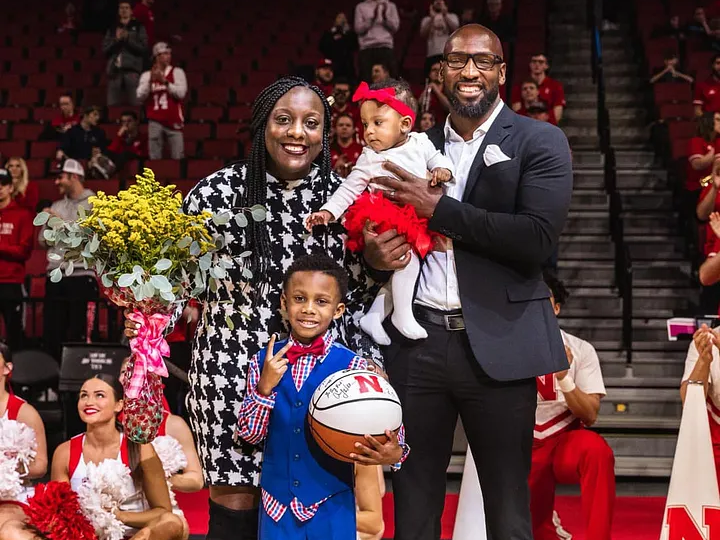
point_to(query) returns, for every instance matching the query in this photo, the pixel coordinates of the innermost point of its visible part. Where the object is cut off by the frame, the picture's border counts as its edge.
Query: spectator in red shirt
(344, 150)
(433, 99)
(25, 193)
(531, 96)
(427, 121)
(343, 105)
(550, 90)
(324, 75)
(129, 143)
(143, 12)
(707, 93)
(68, 116)
(16, 244)
(703, 151)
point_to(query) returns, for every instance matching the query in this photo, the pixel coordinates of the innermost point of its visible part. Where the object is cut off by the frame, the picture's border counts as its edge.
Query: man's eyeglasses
(483, 61)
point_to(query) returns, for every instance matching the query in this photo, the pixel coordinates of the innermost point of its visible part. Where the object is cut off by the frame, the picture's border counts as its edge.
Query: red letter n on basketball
(682, 526)
(546, 387)
(366, 383)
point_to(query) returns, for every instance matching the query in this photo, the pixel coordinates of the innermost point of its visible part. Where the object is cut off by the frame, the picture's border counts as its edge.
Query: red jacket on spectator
(697, 146)
(181, 328)
(707, 94)
(138, 146)
(31, 198)
(550, 91)
(351, 152)
(16, 242)
(68, 121)
(145, 16)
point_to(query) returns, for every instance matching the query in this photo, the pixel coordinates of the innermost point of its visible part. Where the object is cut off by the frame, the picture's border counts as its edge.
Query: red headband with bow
(385, 96)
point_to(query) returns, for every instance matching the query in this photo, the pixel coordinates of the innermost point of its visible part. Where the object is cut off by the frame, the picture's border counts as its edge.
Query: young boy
(305, 492)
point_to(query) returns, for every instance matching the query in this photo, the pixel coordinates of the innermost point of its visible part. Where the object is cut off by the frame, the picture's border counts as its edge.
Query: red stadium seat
(89, 40)
(42, 53)
(184, 186)
(226, 131)
(197, 132)
(672, 93)
(227, 78)
(200, 168)
(220, 148)
(64, 66)
(681, 130)
(76, 53)
(195, 79)
(12, 148)
(679, 148)
(14, 114)
(191, 148)
(206, 114)
(24, 40)
(23, 96)
(43, 149)
(47, 189)
(63, 40)
(4, 132)
(52, 95)
(94, 96)
(37, 168)
(164, 169)
(24, 67)
(10, 80)
(45, 114)
(109, 187)
(673, 111)
(27, 132)
(110, 130)
(45, 81)
(10, 53)
(214, 95)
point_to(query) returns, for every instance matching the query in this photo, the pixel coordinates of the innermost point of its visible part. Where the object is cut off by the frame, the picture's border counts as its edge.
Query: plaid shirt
(255, 418)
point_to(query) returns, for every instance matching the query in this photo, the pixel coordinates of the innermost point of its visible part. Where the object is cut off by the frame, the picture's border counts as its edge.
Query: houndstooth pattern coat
(221, 352)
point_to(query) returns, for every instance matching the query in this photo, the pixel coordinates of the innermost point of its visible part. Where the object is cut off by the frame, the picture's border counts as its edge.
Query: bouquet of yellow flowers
(149, 257)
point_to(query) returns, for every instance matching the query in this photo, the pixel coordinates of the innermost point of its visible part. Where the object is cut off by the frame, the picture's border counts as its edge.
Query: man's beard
(474, 110)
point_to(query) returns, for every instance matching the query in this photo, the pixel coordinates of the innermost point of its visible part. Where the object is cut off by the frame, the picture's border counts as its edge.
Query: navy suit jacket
(503, 230)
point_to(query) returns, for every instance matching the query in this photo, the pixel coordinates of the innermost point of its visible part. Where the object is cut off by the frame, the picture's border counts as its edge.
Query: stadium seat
(22, 66)
(42, 53)
(673, 111)
(227, 78)
(64, 66)
(681, 130)
(12, 148)
(43, 80)
(164, 169)
(10, 80)
(191, 149)
(226, 131)
(10, 54)
(14, 114)
(200, 168)
(184, 186)
(43, 149)
(109, 187)
(27, 132)
(679, 148)
(4, 130)
(76, 53)
(110, 130)
(212, 95)
(672, 93)
(197, 132)
(52, 95)
(219, 149)
(37, 168)
(206, 114)
(23, 96)
(45, 114)
(47, 189)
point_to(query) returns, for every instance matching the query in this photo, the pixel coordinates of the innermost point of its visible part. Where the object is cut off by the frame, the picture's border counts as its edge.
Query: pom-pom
(104, 489)
(55, 510)
(170, 453)
(18, 443)
(10, 481)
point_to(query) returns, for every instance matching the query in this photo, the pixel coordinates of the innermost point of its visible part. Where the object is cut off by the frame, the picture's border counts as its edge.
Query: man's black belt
(452, 321)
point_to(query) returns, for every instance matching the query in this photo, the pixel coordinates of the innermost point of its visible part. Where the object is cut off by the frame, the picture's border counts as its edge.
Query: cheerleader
(100, 402)
(15, 408)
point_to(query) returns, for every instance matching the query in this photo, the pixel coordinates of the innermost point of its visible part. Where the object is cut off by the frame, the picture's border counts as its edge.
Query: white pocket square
(494, 155)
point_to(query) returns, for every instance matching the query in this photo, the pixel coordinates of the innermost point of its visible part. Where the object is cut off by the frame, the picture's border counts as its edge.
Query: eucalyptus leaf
(258, 212)
(138, 271)
(101, 224)
(221, 219)
(137, 291)
(226, 263)
(99, 266)
(41, 219)
(220, 272)
(55, 275)
(219, 242)
(70, 268)
(167, 296)
(148, 289)
(126, 280)
(54, 256)
(229, 322)
(75, 241)
(166, 245)
(212, 273)
(214, 285)
(94, 244)
(86, 254)
(163, 264)
(49, 235)
(241, 220)
(106, 280)
(245, 254)
(161, 283)
(205, 263)
(55, 221)
(194, 249)
(247, 273)
(184, 242)
(82, 213)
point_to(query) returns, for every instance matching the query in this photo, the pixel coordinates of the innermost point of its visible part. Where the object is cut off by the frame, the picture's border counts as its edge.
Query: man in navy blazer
(481, 297)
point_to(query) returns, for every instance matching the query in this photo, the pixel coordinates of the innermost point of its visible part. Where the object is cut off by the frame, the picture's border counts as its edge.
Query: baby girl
(388, 115)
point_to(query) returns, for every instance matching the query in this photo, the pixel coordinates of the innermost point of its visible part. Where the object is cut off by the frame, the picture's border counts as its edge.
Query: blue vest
(293, 464)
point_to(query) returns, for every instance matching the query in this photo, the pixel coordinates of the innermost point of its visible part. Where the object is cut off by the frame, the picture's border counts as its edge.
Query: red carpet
(636, 518)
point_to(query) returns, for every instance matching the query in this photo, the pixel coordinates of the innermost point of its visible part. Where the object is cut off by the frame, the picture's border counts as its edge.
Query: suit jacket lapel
(496, 135)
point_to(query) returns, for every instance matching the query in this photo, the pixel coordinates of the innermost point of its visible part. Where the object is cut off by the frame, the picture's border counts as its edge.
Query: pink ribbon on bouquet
(148, 349)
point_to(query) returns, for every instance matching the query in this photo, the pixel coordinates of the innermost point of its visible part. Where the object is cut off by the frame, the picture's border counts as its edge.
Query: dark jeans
(65, 312)
(11, 308)
(437, 378)
(367, 58)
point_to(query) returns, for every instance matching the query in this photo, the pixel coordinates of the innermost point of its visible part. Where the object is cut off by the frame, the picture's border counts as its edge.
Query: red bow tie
(316, 348)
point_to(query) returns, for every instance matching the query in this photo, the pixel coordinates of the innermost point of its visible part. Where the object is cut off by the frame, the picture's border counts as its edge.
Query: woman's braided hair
(258, 239)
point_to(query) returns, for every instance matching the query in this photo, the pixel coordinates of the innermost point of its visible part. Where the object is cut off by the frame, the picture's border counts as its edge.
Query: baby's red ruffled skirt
(374, 207)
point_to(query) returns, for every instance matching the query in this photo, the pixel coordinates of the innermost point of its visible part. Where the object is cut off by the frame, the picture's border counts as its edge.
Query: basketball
(349, 405)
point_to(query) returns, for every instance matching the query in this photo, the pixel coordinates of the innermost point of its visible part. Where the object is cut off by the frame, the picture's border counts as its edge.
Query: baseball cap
(160, 47)
(537, 107)
(324, 62)
(5, 178)
(70, 166)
